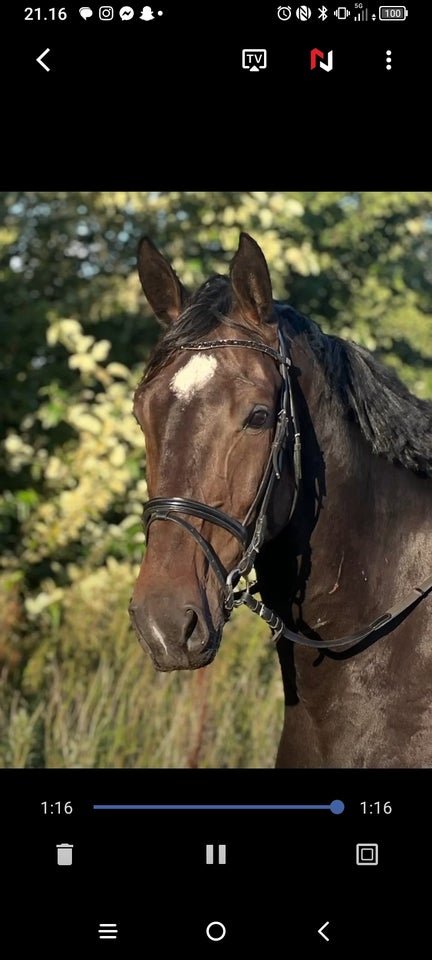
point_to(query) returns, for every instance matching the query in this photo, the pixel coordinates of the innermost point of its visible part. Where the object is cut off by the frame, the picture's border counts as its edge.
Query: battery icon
(393, 14)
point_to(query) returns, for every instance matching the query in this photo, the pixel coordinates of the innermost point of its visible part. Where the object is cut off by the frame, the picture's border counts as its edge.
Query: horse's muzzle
(183, 645)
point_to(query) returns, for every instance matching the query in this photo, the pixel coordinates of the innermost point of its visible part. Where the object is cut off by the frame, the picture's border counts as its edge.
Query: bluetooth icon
(322, 14)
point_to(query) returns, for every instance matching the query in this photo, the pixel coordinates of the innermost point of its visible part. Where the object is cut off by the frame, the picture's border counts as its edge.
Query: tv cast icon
(254, 60)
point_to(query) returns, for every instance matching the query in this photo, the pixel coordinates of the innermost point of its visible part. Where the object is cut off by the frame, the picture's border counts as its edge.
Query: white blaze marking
(158, 635)
(194, 375)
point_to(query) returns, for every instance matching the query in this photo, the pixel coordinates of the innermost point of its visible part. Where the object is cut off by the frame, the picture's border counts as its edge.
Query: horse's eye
(257, 418)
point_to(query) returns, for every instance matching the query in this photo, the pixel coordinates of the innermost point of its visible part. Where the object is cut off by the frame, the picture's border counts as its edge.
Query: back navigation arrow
(40, 59)
(321, 931)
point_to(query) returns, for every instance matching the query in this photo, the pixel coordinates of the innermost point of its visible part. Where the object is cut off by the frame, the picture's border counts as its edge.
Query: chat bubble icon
(86, 12)
(126, 13)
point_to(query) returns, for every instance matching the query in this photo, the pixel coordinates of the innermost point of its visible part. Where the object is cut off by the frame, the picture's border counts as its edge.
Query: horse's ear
(160, 283)
(251, 282)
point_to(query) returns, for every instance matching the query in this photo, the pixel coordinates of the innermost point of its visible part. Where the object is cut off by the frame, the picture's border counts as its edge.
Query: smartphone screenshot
(216, 477)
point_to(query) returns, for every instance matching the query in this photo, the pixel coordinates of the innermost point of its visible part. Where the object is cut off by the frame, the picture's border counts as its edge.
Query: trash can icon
(64, 854)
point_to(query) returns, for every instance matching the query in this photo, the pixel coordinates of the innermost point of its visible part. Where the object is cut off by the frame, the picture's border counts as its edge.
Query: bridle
(176, 508)
(169, 508)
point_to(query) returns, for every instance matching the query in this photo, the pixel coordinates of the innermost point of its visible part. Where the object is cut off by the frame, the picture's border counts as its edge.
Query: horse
(275, 448)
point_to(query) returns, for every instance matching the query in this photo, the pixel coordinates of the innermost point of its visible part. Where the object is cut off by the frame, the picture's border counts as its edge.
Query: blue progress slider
(336, 806)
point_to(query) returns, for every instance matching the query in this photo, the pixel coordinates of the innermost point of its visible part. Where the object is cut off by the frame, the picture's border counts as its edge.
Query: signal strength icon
(361, 15)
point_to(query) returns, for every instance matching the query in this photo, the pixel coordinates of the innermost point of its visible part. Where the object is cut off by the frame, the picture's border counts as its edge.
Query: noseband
(169, 508)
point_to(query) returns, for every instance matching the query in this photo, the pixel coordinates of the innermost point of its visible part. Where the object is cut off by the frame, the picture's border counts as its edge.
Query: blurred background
(76, 690)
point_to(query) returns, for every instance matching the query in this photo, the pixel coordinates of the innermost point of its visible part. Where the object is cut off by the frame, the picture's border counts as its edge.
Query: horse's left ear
(251, 282)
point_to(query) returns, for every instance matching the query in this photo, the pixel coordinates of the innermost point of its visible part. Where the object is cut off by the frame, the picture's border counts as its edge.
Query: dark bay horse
(275, 447)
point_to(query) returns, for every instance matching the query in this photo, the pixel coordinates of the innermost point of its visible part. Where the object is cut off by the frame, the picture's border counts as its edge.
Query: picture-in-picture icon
(367, 854)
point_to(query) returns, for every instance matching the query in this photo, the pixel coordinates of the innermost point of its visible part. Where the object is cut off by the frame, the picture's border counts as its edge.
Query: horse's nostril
(195, 633)
(191, 623)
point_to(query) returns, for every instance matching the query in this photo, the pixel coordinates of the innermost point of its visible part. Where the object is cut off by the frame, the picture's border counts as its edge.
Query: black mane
(396, 424)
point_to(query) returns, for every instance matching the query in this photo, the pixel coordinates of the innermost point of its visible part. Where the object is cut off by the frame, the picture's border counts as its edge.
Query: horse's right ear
(161, 285)
(251, 282)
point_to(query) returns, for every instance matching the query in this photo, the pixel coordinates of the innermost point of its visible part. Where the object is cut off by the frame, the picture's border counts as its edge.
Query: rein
(287, 427)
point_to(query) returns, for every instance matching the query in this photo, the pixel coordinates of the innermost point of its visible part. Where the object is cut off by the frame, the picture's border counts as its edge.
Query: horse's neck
(367, 539)
(361, 534)
(370, 545)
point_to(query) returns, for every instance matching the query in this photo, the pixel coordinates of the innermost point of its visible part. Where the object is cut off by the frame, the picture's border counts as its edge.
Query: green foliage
(75, 688)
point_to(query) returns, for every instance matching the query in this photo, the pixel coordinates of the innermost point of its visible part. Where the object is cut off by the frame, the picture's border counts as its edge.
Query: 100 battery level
(393, 14)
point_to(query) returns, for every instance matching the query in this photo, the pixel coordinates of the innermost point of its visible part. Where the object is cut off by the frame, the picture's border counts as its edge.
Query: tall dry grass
(87, 696)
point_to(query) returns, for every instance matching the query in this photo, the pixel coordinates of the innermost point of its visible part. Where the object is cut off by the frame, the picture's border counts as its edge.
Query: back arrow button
(321, 931)
(40, 59)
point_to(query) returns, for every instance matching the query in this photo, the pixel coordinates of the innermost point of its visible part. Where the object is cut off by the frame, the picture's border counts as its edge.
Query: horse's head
(209, 412)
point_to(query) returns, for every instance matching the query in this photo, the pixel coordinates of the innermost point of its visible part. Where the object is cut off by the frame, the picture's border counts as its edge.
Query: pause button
(215, 854)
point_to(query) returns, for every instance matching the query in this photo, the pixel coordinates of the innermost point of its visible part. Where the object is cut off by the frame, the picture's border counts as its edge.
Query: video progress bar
(336, 806)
